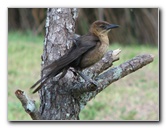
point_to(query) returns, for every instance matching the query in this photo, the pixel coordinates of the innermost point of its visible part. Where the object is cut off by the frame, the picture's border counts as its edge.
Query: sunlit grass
(134, 97)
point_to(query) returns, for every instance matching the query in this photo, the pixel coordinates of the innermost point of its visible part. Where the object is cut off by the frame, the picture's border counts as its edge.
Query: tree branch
(28, 104)
(124, 69)
(114, 74)
(106, 62)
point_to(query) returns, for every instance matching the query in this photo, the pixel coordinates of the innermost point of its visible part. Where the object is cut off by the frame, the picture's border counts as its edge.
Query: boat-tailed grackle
(86, 51)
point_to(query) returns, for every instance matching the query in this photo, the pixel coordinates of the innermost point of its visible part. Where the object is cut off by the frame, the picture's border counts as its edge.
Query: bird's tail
(44, 79)
(55, 68)
(58, 65)
(40, 86)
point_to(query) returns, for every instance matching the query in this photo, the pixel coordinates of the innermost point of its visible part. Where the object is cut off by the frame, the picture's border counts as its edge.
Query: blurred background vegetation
(137, 25)
(134, 97)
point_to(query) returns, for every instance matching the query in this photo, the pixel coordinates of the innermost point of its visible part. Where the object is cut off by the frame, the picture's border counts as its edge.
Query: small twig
(28, 104)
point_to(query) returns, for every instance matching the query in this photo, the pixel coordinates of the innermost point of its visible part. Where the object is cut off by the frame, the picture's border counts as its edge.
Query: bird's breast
(93, 55)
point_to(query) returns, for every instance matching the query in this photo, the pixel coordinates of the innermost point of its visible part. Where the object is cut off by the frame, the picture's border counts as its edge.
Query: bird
(86, 50)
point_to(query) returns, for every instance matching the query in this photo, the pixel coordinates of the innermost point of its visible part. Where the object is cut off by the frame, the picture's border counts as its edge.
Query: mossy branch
(112, 74)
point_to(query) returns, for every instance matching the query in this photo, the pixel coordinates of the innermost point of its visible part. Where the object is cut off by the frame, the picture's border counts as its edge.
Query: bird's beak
(111, 26)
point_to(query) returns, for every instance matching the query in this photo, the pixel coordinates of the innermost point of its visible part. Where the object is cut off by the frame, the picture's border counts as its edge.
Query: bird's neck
(104, 39)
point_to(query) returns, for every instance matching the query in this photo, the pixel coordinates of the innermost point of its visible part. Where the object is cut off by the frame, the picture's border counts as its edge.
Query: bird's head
(101, 28)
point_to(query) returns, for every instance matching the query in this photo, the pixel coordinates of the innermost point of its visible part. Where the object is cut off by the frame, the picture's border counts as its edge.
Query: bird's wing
(82, 46)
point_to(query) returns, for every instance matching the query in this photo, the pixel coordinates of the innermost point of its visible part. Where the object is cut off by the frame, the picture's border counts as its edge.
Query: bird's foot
(93, 84)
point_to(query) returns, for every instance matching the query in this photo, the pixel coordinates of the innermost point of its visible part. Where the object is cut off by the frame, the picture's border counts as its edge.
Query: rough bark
(56, 104)
(63, 99)
(112, 74)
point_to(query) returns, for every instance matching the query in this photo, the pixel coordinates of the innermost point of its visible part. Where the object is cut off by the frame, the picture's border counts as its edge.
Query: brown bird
(86, 51)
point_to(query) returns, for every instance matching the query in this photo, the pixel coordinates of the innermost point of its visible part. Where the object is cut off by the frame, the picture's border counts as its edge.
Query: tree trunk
(56, 103)
(63, 99)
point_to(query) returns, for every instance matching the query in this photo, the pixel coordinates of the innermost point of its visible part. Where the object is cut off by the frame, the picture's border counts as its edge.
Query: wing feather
(82, 45)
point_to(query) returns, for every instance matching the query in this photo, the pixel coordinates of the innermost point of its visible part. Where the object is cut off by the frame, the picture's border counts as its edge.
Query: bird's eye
(102, 26)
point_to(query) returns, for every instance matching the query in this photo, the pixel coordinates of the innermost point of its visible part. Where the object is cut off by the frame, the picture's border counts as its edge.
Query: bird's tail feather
(40, 86)
(57, 66)
(40, 80)
(44, 79)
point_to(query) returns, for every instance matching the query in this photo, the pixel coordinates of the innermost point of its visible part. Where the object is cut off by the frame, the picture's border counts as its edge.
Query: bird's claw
(93, 84)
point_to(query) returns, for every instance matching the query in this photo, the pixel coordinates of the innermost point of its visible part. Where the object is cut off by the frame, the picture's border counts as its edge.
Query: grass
(24, 53)
(134, 97)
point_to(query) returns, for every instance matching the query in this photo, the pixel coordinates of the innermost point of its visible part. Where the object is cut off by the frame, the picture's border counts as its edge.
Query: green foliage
(135, 97)
(24, 53)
